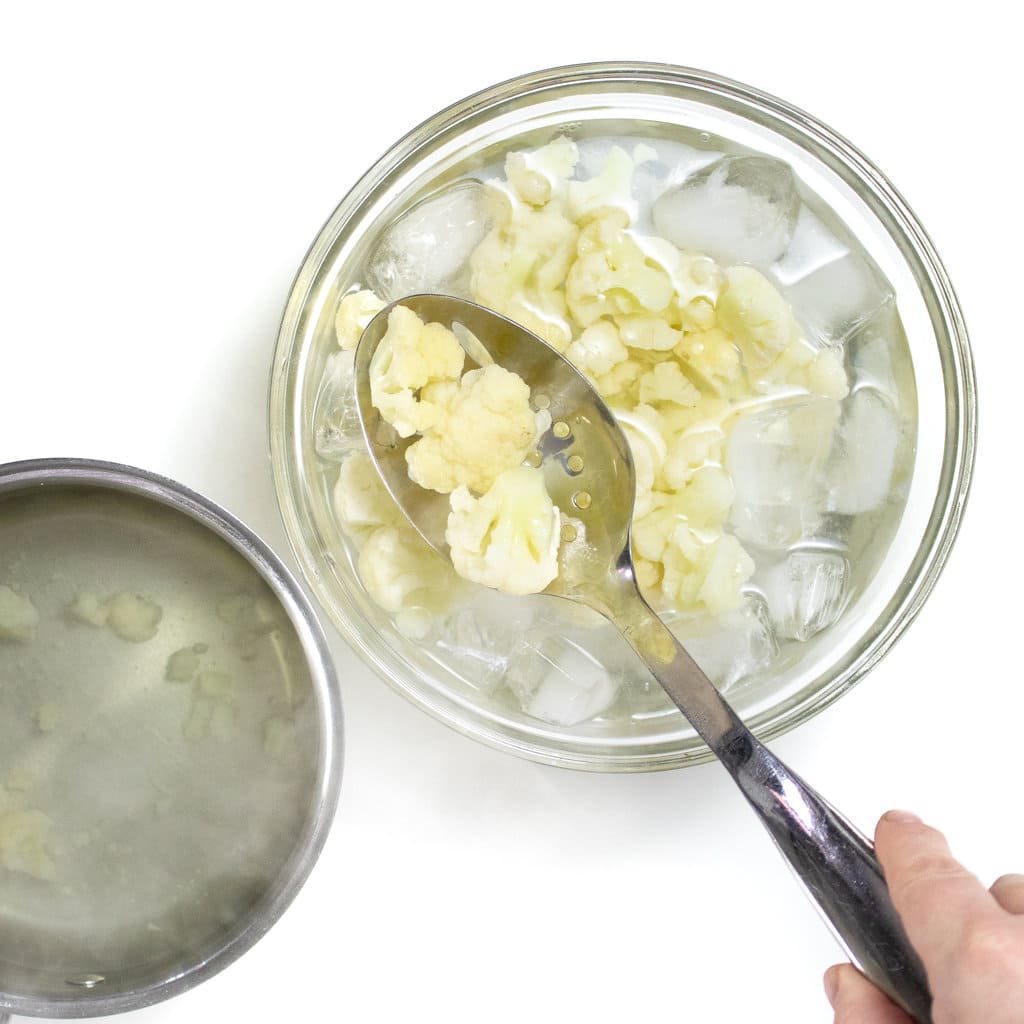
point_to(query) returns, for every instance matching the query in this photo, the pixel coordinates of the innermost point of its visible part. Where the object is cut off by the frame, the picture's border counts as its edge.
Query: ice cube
(879, 356)
(732, 646)
(556, 679)
(428, 248)
(776, 457)
(806, 591)
(832, 287)
(739, 210)
(478, 638)
(860, 471)
(336, 429)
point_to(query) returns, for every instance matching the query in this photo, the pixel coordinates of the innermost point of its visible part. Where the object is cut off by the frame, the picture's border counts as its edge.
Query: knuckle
(920, 874)
(987, 948)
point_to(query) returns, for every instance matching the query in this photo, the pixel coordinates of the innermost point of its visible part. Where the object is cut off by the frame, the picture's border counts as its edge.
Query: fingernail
(902, 817)
(831, 985)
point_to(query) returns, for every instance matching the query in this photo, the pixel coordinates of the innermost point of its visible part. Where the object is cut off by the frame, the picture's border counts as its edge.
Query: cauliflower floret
(520, 267)
(611, 188)
(667, 383)
(648, 333)
(598, 350)
(751, 309)
(647, 444)
(826, 376)
(18, 616)
(133, 617)
(537, 175)
(507, 539)
(707, 497)
(622, 383)
(402, 573)
(693, 446)
(361, 501)
(713, 358)
(89, 610)
(355, 311)
(410, 356)
(704, 571)
(488, 427)
(613, 275)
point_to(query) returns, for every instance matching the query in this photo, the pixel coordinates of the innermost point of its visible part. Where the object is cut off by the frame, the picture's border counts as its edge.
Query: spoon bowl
(589, 471)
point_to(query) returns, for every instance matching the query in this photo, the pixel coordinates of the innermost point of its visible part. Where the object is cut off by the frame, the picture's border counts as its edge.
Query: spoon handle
(835, 863)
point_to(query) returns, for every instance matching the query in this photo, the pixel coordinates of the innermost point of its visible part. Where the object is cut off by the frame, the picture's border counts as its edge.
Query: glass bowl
(691, 115)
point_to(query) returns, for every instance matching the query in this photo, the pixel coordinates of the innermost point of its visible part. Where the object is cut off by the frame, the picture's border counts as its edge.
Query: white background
(164, 168)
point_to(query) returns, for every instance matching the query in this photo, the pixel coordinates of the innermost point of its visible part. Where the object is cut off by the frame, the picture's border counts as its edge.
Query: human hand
(970, 940)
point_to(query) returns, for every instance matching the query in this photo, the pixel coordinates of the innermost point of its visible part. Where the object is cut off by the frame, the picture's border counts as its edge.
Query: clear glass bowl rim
(842, 158)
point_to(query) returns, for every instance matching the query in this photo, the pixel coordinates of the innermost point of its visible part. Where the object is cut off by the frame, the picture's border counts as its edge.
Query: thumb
(856, 1001)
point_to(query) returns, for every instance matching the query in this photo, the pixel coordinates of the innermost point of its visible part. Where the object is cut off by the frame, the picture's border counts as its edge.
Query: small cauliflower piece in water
(665, 382)
(539, 174)
(410, 356)
(487, 428)
(704, 571)
(751, 309)
(23, 843)
(361, 501)
(520, 267)
(18, 616)
(613, 276)
(89, 610)
(401, 572)
(598, 350)
(133, 617)
(507, 539)
(355, 311)
(642, 427)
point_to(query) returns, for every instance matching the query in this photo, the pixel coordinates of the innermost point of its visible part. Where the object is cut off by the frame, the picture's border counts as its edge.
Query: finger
(856, 1001)
(935, 895)
(1008, 891)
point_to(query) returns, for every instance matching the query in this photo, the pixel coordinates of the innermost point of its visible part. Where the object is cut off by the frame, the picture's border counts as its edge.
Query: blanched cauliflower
(487, 427)
(613, 276)
(681, 349)
(355, 311)
(751, 309)
(537, 175)
(520, 266)
(361, 501)
(598, 350)
(411, 355)
(508, 538)
(18, 616)
(401, 573)
(704, 571)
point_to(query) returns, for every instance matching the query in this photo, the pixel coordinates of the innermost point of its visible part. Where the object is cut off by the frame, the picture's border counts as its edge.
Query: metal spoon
(834, 862)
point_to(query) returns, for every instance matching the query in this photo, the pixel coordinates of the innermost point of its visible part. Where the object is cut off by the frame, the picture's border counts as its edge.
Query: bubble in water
(582, 500)
(428, 248)
(739, 210)
(575, 463)
(561, 429)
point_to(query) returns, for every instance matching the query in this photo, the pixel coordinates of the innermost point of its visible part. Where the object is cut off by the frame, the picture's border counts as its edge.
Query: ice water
(817, 499)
